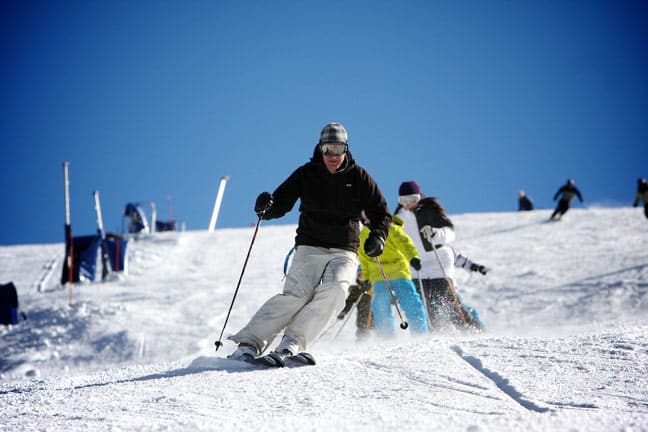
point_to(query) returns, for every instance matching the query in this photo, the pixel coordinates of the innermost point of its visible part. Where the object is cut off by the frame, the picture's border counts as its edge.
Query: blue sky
(155, 99)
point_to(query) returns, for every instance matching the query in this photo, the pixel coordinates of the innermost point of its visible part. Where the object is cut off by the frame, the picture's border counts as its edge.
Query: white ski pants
(314, 291)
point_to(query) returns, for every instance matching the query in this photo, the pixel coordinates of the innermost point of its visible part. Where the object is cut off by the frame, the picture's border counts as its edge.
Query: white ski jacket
(443, 238)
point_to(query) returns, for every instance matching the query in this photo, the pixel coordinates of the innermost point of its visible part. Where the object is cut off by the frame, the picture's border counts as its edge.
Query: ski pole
(353, 307)
(347, 318)
(218, 343)
(403, 323)
(426, 303)
(450, 284)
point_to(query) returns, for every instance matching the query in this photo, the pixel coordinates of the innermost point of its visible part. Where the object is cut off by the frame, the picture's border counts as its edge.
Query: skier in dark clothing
(524, 202)
(567, 194)
(333, 191)
(642, 195)
(360, 295)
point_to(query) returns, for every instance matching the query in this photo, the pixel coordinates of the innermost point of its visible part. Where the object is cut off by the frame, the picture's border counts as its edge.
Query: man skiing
(525, 203)
(566, 193)
(642, 195)
(333, 190)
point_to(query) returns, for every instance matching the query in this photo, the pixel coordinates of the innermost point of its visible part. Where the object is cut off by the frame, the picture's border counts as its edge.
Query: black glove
(365, 287)
(416, 263)
(374, 245)
(263, 203)
(478, 268)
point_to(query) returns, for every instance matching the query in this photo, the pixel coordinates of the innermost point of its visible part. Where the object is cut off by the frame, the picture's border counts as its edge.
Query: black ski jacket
(568, 193)
(331, 204)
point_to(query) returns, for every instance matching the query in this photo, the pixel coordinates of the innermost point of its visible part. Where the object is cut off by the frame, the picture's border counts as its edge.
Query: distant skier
(525, 203)
(567, 193)
(333, 190)
(642, 195)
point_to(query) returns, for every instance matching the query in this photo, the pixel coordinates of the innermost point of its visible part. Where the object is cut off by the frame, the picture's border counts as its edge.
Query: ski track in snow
(566, 304)
(501, 382)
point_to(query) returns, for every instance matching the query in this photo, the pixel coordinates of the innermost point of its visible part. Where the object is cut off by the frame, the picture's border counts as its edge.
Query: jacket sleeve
(285, 196)
(462, 261)
(443, 236)
(580, 197)
(364, 259)
(375, 207)
(405, 244)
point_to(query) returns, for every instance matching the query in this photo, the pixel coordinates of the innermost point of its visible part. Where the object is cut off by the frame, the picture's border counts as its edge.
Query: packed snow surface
(566, 348)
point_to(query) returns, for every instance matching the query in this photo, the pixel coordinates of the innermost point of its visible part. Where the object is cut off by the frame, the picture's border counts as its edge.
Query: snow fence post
(217, 204)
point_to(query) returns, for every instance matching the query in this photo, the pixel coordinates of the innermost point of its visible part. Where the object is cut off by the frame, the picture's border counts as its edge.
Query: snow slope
(566, 304)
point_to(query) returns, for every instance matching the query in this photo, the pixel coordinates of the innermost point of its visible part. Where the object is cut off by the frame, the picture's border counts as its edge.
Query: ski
(269, 360)
(274, 360)
(300, 359)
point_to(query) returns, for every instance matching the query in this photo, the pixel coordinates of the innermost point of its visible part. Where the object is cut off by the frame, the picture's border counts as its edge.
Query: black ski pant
(443, 308)
(563, 206)
(360, 293)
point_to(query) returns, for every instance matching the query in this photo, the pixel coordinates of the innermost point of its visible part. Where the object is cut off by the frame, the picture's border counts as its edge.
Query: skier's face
(409, 202)
(333, 162)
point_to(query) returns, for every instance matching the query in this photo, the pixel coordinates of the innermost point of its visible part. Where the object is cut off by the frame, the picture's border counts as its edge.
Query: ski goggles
(408, 200)
(333, 149)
